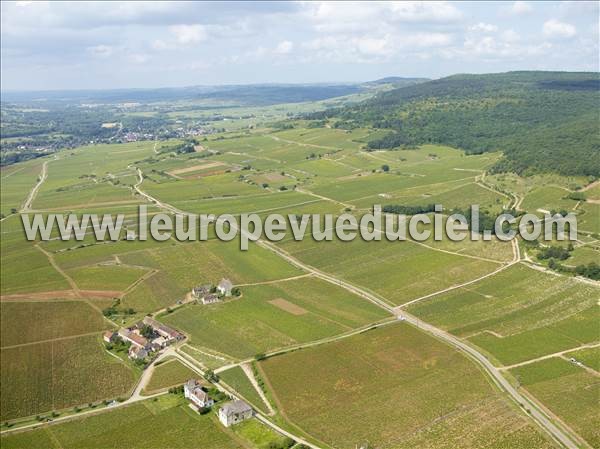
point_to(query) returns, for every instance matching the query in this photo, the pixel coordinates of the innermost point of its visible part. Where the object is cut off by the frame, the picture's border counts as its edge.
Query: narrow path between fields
(549, 356)
(250, 375)
(43, 175)
(529, 406)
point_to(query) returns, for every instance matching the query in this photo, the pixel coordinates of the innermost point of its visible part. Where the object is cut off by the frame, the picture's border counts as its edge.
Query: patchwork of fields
(169, 422)
(59, 374)
(274, 315)
(567, 390)
(518, 314)
(335, 382)
(396, 374)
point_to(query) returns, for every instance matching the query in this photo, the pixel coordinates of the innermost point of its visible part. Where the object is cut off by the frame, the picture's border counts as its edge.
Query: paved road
(232, 393)
(531, 408)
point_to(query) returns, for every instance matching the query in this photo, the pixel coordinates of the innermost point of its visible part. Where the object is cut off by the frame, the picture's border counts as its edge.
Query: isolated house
(201, 291)
(225, 287)
(210, 299)
(193, 391)
(234, 412)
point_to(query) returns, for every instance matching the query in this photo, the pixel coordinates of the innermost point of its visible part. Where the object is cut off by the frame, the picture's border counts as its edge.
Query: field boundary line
(454, 287)
(34, 191)
(275, 281)
(549, 356)
(222, 386)
(250, 375)
(50, 340)
(529, 407)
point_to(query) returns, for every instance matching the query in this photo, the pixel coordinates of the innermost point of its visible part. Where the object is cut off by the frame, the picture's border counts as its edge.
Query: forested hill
(542, 121)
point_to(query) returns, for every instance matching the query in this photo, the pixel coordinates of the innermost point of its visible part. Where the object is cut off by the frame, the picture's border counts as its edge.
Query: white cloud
(344, 17)
(510, 36)
(424, 11)
(102, 51)
(485, 27)
(138, 58)
(555, 28)
(373, 46)
(188, 34)
(159, 44)
(428, 39)
(284, 47)
(521, 8)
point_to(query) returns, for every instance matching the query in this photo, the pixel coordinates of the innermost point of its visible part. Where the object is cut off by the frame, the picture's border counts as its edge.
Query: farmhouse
(201, 291)
(137, 353)
(210, 299)
(108, 336)
(234, 412)
(225, 287)
(193, 391)
(134, 338)
(159, 343)
(169, 334)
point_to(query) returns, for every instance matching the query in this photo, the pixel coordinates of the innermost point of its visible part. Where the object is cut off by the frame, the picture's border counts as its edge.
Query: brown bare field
(181, 171)
(63, 294)
(288, 306)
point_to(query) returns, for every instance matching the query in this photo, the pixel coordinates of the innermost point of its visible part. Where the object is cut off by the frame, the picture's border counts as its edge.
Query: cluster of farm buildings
(149, 336)
(156, 336)
(209, 294)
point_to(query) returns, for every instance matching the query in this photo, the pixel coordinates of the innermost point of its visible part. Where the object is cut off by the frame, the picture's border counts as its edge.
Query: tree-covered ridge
(542, 121)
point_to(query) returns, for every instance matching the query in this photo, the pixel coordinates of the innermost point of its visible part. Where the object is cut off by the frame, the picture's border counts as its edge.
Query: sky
(100, 45)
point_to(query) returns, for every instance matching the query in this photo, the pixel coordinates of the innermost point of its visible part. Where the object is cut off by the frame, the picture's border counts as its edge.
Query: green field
(590, 357)
(271, 316)
(165, 423)
(397, 271)
(24, 267)
(16, 181)
(589, 219)
(169, 374)
(59, 374)
(548, 198)
(88, 176)
(394, 387)
(237, 379)
(35, 321)
(568, 391)
(181, 267)
(518, 314)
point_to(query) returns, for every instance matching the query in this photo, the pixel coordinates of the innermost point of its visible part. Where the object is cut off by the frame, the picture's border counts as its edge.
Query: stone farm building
(193, 391)
(234, 412)
(168, 334)
(108, 336)
(201, 291)
(211, 298)
(134, 338)
(225, 287)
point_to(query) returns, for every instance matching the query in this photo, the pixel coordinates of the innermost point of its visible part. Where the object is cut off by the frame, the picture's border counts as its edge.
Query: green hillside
(542, 121)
